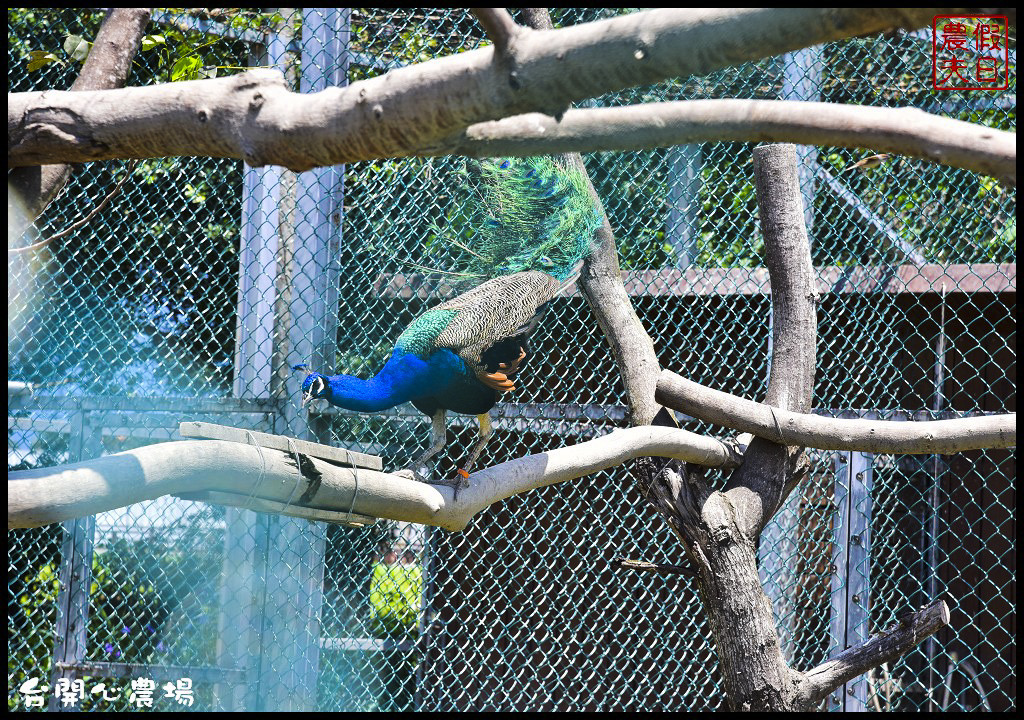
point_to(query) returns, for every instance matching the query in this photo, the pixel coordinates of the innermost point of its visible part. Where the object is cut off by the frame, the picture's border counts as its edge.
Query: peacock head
(314, 387)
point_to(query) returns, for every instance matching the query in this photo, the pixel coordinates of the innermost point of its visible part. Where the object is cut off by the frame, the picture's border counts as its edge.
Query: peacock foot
(422, 474)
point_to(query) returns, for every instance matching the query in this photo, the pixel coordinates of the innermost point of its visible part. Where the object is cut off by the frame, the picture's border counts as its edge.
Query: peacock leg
(438, 433)
(486, 430)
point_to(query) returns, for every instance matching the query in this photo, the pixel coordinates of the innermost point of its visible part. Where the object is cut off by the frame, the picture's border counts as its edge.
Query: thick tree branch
(887, 647)
(757, 488)
(903, 131)
(721, 527)
(631, 346)
(48, 495)
(31, 189)
(878, 436)
(254, 117)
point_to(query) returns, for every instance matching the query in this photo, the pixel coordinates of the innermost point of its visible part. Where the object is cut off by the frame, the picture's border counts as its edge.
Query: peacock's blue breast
(442, 380)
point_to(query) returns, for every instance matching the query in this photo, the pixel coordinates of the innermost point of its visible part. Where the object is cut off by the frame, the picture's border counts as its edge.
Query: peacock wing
(494, 311)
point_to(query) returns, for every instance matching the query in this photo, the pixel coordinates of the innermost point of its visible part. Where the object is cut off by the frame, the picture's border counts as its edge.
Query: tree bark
(907, 132)
(31, 189)
(720, 528)
(409, 110)
(877, 436)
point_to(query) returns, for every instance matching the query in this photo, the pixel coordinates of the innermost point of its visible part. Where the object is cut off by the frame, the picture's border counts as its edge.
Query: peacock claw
(422, 475)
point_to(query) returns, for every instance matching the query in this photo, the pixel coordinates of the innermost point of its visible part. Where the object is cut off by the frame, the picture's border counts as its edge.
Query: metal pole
(938, 400)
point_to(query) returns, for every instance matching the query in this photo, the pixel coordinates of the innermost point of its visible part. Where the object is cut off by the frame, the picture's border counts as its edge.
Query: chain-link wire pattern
(191, 295)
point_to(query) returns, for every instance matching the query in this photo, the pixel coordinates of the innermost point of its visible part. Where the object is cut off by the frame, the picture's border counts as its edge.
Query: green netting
(204, 280)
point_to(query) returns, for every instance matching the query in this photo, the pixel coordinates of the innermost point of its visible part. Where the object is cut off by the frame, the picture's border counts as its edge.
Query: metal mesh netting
(191, 295)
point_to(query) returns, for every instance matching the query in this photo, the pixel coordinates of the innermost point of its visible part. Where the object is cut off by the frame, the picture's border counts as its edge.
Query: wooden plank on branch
(339, 456)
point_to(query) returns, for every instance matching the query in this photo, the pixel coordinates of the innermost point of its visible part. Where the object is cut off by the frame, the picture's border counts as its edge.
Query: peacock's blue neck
(354, 393)
(404, 377)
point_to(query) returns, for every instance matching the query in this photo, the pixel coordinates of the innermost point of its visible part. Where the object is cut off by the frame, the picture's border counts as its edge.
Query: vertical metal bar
(858, 588)
(801, 80)
(315, 271)
(242, 599)
(74, 577)
(236, 613)
(840, 556)
(934, 494)
(424, 620)
(291, 624)
(851, 569)
(310, 219)
(683, 199)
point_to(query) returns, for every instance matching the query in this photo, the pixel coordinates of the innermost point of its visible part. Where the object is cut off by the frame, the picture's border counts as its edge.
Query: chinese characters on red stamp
(970, 52)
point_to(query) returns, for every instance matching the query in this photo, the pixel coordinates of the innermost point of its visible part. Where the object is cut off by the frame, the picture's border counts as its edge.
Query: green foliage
(151, 601)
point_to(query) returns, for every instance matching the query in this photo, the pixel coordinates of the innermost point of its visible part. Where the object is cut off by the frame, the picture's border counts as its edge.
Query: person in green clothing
(396, 597)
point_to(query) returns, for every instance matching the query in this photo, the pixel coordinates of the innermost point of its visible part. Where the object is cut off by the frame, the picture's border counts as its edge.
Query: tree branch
(108, 66)
(903, 131)
(887, 647)
(878, 436)
(758, 487)
(499, 26)
(657, 568)
(254, 117)
(129, 169)
(47, 495)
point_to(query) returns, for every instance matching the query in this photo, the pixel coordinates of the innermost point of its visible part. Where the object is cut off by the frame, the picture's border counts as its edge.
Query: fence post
(71, 629)
(306, 331)
(851, 569)
(682, 230)
(801, 80)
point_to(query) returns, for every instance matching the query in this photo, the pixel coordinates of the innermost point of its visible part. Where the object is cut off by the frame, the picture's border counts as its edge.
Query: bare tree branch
(48, 495)
(887, 647)
(32, 188)
(657, 568)
(903, 131)
(601, 283)
(878, 436)
(254, 117)
(79, 223)
(499, 26)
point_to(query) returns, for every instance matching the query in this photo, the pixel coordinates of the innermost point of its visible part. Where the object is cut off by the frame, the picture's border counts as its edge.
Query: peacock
(532, 225)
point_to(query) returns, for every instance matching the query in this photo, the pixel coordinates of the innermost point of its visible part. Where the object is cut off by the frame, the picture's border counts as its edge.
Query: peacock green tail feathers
(522, 214)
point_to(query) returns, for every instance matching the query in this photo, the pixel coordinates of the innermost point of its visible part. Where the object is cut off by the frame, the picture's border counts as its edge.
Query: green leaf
(77, 47)
(39, 58)
(186, 68)
(151, 41)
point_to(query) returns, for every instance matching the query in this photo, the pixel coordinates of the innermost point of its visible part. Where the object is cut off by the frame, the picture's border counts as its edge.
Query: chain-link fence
(191, 295)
